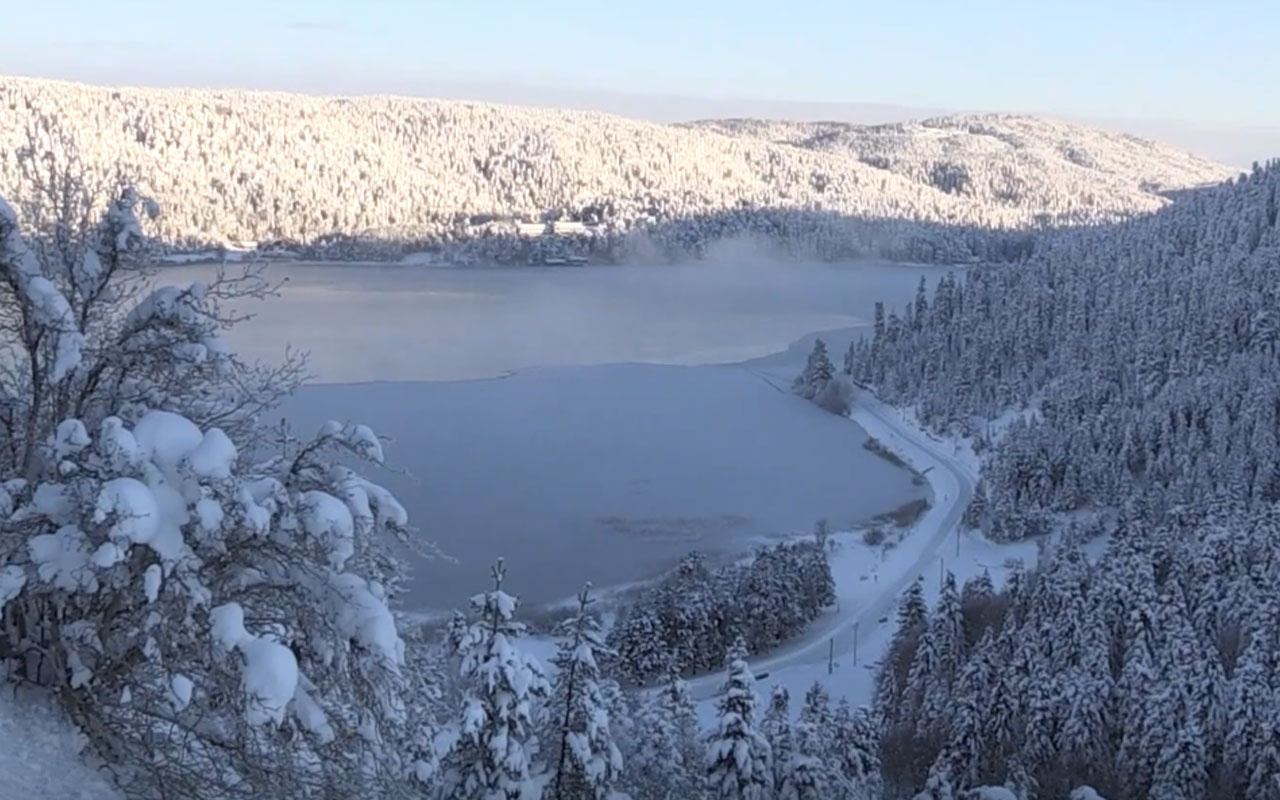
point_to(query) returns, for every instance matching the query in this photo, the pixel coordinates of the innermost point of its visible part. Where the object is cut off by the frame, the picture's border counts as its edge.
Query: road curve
(952, 485)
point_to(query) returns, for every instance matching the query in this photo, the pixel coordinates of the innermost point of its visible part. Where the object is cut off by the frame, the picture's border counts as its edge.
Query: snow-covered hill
(1039, 166)
(232, 165)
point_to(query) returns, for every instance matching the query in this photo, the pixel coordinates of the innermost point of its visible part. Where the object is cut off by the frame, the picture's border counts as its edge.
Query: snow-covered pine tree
(637, 640)
(678, 704)
(937, 787)
(810, 773)
(776, 727)
(820, 383)
(818, 372)
(216, 626)
(491, 758)
(855, 754)
(739, 763)
(666, 763)
(584, 761)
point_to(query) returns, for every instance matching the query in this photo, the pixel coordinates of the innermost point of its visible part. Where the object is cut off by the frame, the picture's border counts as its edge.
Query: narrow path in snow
(952, 484)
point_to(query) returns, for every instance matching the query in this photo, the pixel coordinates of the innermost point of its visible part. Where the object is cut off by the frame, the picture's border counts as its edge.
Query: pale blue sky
(1208, 62)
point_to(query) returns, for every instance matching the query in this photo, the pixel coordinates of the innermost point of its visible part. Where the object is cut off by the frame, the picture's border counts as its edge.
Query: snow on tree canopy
(328, 519)
(209, 513)
(166, 438)
(214, 457)
(89, 270)
(69, 438)
(49, 307)
(309, 713)
(998, 793)
(12, 579)
(151, 582)
(62, 559)
(181, 686)
(132, 505)
(360, 438)
(52, 503)
(227, 625)
(122, 217)
(270, 679)
(117, 445)
(364, 618)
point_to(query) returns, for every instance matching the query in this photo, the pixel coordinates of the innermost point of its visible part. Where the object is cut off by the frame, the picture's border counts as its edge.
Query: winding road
(952, 484)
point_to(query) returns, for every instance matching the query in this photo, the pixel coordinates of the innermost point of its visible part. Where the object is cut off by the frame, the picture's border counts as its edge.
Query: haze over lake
(586, 464)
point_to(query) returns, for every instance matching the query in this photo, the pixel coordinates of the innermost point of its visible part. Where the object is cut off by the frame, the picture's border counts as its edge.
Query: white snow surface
(365, 619)
(328, 519)
(12, 579)
(181, 687)
(311, 715)
(118, 445)
(151, 580)
(132, 505)
(167, 438)
(62, 558)
(42, 756)
(270, 679)
(214, 457)
(227, 625)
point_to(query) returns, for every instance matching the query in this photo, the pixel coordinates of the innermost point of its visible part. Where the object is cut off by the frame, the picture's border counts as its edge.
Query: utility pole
(957, 542)
(831, 654)
(942, 571)
(855, 644)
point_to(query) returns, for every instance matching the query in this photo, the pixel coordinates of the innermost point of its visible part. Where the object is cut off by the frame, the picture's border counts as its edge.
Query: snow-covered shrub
(217, 625)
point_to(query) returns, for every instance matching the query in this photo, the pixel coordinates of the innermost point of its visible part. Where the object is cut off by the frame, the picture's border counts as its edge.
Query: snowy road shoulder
(856, 625)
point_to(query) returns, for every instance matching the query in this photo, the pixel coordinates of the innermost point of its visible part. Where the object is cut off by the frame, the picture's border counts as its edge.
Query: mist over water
(379, 322)
(585, 464)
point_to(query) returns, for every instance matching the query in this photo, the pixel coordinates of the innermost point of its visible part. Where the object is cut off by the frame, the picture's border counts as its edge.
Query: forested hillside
(396, 173)
(1049, 170)
(1143, 360)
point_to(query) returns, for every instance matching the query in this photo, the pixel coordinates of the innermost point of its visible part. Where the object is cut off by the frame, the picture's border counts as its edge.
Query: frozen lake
(586, 464)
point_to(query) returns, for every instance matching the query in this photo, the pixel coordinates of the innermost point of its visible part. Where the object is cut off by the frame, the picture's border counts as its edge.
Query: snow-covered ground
(41, 755)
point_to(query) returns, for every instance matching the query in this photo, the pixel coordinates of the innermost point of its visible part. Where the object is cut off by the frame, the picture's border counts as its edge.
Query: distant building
(531, 230)
(568, 228)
